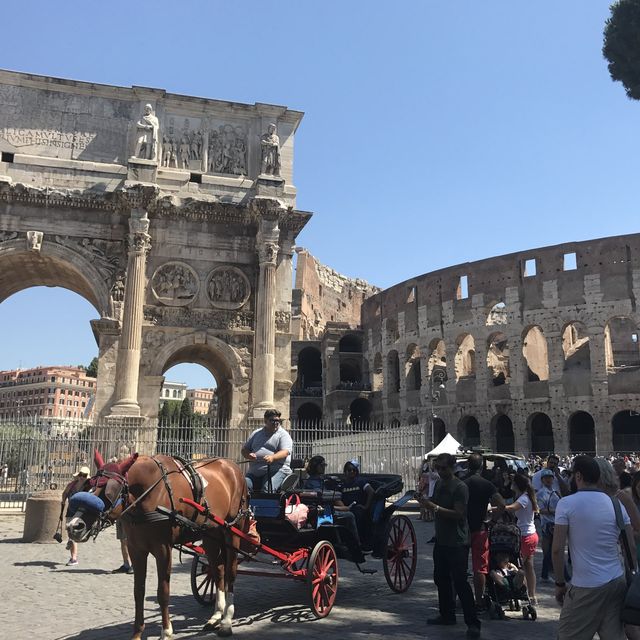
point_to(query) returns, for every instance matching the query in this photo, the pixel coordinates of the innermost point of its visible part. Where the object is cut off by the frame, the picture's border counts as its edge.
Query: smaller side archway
(536, 355)
(498, 359)
(465, 362)
(393, 371)
(439, 431)
(309, 369)
(582, 433)
(350, 343)
(541, 430)
(413, 374)
(360, 411)
(377, 378)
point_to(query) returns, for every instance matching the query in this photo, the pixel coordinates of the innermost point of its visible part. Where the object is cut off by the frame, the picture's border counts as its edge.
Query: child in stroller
(506, 584)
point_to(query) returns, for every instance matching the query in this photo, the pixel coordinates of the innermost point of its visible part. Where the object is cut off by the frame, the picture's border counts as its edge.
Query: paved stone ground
(41, 598)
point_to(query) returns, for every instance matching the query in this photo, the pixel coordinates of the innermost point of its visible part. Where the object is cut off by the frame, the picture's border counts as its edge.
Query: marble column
(265, 328)
(128, 364)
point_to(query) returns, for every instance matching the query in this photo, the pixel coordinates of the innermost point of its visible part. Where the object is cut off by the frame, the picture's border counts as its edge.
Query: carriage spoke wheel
(401, 554)
(322, 578)
(202, 584)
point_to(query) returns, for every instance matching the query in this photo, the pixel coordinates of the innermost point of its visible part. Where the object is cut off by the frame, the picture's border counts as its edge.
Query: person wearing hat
(79, 483)
(547, 499)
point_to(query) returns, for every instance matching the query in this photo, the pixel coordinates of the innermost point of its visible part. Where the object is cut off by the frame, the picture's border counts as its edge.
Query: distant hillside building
(201, 400)
(55, 392)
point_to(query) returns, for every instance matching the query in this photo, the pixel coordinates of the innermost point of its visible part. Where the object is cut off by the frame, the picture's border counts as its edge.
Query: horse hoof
(225, 630)
(211, 626)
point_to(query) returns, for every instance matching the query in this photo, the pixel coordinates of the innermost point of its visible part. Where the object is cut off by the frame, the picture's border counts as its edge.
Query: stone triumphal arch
(173, 216)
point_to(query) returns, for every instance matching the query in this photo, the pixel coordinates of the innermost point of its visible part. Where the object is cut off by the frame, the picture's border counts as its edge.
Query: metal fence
(38, 454)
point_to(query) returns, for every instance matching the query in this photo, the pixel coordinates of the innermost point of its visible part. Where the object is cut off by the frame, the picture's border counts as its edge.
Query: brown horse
(161, 481)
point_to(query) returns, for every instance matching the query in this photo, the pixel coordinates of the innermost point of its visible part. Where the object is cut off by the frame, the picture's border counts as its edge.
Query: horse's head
(89, 510)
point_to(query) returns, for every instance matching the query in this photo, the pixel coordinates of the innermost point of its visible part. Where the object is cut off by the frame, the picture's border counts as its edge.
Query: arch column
(556, 365)
(481, 370)
(128, 364)
(517, 367)
(265, 326)
(598, 362)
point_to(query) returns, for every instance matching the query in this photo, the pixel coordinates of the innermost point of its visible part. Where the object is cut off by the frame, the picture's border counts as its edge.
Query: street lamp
(436, 386)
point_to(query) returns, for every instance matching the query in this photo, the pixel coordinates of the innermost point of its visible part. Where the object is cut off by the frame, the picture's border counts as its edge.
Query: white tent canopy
(448, 444)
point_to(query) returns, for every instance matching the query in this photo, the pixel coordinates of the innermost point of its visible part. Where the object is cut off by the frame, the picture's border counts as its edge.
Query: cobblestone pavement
(42, 598)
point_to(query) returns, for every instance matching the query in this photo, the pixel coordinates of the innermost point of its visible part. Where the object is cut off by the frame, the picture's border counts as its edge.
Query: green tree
(92, 370)
(186, 412)
(622, 45)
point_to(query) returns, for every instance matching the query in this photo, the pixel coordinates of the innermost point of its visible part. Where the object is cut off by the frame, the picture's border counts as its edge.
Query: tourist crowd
(588, 505)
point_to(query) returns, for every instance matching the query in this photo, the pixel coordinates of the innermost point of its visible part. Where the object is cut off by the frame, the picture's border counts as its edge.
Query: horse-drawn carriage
(310, 554)
(202, 509)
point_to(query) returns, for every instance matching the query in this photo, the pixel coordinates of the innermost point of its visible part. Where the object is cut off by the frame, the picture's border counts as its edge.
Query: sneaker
(123, 568)
(440, 621)
(130, 571)
(71, 562)
(473, 631)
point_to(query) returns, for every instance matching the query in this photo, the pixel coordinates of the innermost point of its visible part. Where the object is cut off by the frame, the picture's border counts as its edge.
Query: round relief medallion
(228, 288)
(175, 284)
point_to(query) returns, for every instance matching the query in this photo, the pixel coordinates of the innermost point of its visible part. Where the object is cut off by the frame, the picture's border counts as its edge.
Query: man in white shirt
(559, 485)
(587, 520)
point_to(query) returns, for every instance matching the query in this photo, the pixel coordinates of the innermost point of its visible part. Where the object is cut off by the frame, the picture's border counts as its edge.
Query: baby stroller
(504, 538)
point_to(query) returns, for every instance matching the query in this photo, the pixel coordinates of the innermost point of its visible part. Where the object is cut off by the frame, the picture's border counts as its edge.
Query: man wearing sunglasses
(269, 453)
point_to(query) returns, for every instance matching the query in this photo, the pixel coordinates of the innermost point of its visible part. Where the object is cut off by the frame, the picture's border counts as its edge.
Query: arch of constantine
(174, 216)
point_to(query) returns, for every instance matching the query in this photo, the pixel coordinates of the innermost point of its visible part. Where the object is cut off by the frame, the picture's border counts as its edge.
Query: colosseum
(532, 351)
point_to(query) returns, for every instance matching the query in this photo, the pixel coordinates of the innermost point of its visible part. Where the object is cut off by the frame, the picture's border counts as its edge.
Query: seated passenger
(341, 516)
(269, 450)
(358, 494)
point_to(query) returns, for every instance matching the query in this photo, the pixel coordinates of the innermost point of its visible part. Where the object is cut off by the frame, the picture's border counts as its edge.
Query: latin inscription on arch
(19, 137)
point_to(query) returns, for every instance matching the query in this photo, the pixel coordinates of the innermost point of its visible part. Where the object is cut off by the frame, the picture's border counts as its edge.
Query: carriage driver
(269, 451)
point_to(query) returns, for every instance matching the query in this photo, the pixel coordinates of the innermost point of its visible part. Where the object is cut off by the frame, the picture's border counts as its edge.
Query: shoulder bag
(631, 607)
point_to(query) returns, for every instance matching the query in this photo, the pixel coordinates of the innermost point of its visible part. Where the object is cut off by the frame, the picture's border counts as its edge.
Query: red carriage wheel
(202, 584)
(401, 554)
(322, 578)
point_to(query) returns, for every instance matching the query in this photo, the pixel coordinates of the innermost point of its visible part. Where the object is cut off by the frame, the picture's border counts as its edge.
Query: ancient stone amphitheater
(531, 351)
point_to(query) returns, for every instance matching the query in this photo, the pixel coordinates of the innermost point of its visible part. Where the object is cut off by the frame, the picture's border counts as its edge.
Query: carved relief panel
(228, 288)
(175, 284)
(200, 144)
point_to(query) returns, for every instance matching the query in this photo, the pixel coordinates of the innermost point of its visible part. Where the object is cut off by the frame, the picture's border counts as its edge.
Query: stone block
(42, 517)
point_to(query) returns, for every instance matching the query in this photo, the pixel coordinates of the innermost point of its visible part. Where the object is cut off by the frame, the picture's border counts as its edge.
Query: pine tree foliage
(622, 45)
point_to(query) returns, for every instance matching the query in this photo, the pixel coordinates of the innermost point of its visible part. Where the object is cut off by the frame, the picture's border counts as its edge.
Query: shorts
(480, 552)
(528, 545)
(120, 534)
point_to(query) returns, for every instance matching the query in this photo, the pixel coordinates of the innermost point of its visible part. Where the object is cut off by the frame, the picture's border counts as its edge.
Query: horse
(133, 489)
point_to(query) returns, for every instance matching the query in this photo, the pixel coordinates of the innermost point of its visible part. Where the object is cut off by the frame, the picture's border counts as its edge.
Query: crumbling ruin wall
(323, 295)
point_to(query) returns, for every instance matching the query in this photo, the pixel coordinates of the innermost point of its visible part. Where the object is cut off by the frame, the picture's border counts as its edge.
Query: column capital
(139, 238)
(267, 241)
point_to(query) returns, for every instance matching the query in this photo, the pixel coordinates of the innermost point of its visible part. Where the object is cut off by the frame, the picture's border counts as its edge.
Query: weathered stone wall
(535, 316)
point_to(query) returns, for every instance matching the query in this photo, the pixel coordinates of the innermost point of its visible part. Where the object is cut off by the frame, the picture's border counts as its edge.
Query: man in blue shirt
(269, 451)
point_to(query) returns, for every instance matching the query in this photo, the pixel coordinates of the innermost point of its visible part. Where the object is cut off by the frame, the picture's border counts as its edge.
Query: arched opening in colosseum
(503, 429)
(309, 371)
(497, 315)
(469, 431)
(309, 412)
(576, 370)
(393, 372)
(413, 371)
(437, 356)
(378, 377)
(536, 355)
(350, 343)
(541, 430)
(439, 431)
(498, 359)
(582, 433)
(621, 345)
(465, 361)
(625, 427)
(350, 372)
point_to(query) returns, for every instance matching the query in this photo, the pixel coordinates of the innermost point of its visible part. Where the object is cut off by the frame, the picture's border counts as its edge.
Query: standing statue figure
(270, 144)
(147, 142)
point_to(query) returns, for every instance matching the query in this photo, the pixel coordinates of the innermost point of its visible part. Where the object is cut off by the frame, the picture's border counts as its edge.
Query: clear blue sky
(435, 132)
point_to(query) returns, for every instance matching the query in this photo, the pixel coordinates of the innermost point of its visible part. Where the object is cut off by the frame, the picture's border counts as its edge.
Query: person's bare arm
(634, 515)
(557, 556)
(497, 502)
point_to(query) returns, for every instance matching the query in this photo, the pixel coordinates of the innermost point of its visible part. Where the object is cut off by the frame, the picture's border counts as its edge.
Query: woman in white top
(524, 508)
